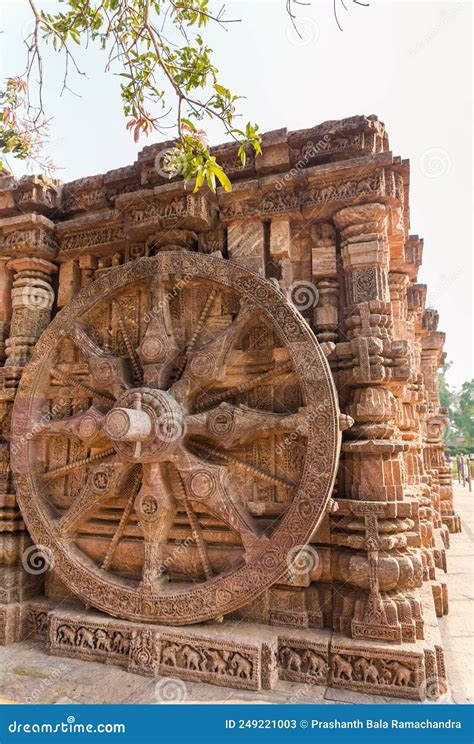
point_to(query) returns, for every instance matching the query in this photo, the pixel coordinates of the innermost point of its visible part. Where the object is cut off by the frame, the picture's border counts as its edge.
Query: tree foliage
(158, 49)
(464, 413)
(460, 405)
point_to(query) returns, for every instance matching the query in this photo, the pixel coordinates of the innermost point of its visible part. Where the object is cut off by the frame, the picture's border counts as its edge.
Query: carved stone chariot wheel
(175, 439)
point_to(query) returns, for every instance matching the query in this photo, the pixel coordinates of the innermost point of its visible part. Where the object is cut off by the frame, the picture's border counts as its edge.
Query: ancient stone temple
(221, 447)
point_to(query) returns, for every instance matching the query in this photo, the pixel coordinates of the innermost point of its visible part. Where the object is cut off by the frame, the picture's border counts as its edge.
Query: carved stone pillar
(32, 300)
(380, 572)
(371, 360)
(5, 307)
(398, 284)
(384, 570)
(281, 250)
(26, 299)
(324, 271)
(410, 397)
(422, 483)
(69, 281)
(365, 253)
(435, 421)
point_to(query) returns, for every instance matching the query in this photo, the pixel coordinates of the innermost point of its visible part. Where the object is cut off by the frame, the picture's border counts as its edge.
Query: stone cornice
(326, 143)
(28, 235)
(140, 215)
(325, 189)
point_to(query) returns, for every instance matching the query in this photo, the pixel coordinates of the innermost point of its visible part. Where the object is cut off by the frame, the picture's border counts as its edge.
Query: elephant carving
(215, 662)
(241, 667)
(191, 658)
(313, 663)
(345, 189)
(401, 674)
(120, 644)
(85, 638)
(168, 655)
(290, 659)
(342, 668)
(364, 187)
(386, 678)
(326, 193)
(65, 634)
(368, 670)
(102, 641)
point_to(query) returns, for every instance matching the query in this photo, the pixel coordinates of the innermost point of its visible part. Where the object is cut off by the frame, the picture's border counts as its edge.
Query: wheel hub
(145, 425)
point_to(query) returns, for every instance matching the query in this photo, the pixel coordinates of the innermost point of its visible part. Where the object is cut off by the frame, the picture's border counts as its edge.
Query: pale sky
(407, 62)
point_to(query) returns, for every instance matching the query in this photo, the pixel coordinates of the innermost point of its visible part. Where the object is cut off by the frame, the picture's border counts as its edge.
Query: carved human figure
(40, 622)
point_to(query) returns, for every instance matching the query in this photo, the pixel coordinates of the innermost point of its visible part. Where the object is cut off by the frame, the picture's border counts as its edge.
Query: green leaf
(242, 154)
(223, 179)
(211, 180)
(199, 181)
(221, 90)
(189, 123)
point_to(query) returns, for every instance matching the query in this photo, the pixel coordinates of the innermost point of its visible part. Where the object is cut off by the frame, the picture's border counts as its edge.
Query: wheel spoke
(194, 522)
(102, 483)
(233, 425)
(127, 337)
(207, 366)
(215, 398)
(197, 331)
(107, 370)
(274, 480)
(207, 483)
(85, 425)
(158, 350)
(84, 342)
(156, 507)
(130, 489)
(77, 464)
(68, 379)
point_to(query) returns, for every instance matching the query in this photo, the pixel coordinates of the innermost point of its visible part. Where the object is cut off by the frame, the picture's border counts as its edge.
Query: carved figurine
(241, 667)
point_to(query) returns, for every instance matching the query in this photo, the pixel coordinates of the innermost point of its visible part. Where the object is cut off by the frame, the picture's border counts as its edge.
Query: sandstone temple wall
(324, 214)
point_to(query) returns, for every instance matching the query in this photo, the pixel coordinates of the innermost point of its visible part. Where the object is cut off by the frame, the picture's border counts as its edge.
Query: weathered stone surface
(176, 432)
